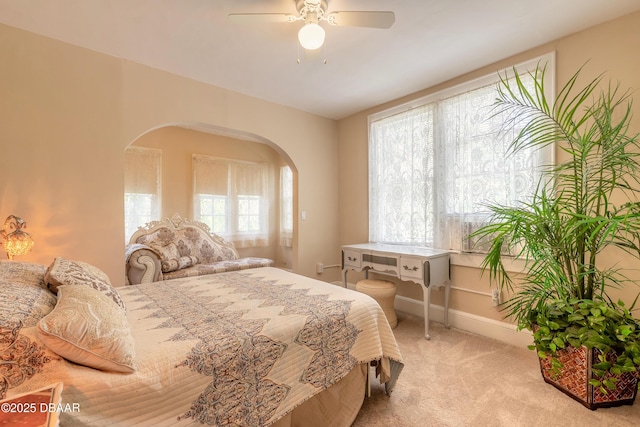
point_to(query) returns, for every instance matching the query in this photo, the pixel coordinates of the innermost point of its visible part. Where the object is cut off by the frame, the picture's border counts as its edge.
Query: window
(213, 212)
(142, 172)
(248, 214)
(231, 197)
(435, 164)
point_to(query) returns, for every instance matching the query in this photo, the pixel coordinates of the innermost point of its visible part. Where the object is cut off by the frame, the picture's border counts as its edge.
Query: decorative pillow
(66, 272)
(162, 236)
(213, 252)
(22, 273)
(169, 256)
(169, 251)
(178, 264)
(86, 327)
(26, 304)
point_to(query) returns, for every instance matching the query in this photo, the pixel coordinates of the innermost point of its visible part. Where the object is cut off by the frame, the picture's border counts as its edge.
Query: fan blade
(261, 17)
(362, 19)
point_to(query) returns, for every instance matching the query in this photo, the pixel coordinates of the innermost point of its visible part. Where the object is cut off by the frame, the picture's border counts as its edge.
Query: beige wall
(60, 120)
(69, 113)
(610, 48)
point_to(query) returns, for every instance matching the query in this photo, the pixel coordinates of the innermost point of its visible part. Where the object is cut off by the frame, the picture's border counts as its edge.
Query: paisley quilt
(241, 348)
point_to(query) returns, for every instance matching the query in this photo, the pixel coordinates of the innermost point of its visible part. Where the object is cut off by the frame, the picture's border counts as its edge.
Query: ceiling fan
(311, 12)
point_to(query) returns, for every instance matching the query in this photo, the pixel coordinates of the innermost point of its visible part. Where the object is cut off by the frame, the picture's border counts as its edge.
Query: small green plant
(593, 324)
(586, 203)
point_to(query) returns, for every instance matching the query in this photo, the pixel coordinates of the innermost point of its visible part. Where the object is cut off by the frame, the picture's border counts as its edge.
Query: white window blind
(434, 166)
(211, 175)
(142, 187)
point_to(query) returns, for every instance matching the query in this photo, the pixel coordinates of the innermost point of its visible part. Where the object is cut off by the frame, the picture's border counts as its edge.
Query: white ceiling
(430, 42)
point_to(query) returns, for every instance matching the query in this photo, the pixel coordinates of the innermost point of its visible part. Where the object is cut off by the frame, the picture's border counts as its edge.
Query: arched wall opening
(180, 141)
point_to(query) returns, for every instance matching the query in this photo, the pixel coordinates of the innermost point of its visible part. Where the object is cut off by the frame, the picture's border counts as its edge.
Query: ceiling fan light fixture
(311, 36)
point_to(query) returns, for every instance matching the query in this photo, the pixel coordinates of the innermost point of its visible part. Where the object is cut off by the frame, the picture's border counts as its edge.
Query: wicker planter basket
(576, 373)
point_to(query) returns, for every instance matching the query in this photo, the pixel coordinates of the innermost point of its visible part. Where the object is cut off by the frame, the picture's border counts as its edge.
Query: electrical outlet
(319, 268)
(495, 297)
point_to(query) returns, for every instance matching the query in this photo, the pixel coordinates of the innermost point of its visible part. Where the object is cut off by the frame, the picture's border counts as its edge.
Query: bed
(259, 347)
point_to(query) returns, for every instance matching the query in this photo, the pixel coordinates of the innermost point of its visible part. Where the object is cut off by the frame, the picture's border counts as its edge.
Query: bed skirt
(336, 406)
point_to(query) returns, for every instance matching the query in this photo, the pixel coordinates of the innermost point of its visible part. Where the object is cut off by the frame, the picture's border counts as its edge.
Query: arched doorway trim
(251, 137)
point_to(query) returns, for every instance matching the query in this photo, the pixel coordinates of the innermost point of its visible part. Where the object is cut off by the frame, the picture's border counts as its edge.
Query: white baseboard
(478, 325)
(484, 326)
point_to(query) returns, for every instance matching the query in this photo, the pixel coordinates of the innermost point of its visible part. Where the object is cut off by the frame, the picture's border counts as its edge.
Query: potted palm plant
(585, 204)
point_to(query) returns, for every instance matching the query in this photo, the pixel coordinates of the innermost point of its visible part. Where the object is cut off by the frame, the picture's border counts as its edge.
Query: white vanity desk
(427, 267)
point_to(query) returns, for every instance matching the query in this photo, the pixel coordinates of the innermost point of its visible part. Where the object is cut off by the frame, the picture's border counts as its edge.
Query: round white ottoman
(384, 293)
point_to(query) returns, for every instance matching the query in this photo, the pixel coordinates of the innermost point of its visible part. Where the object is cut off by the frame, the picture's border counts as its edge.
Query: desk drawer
(381, 262)
(352, 259)
(412, 268)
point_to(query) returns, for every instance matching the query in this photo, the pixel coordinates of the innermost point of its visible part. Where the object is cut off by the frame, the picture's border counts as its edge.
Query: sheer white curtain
(435, 165)
(232, 197)
(286, 206)
(249, 187)
(142, 183)
(401, 202)
(483, 171)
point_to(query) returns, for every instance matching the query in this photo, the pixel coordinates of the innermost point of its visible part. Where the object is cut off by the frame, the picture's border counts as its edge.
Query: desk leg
(344, 277)
(446, 303)
(427, 303)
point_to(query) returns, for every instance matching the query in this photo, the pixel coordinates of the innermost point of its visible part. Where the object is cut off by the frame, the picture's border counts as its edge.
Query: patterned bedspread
(241, 349)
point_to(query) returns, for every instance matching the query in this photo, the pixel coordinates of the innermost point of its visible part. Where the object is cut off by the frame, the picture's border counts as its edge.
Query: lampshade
(14, 240)
(311, 36)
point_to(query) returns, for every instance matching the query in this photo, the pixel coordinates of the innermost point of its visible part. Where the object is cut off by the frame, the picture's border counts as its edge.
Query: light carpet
(461, 379)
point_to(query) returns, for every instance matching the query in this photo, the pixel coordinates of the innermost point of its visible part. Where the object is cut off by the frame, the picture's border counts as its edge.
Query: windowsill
(512, 265)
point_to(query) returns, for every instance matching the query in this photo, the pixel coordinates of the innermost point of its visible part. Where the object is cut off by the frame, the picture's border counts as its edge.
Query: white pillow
(87, 328)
